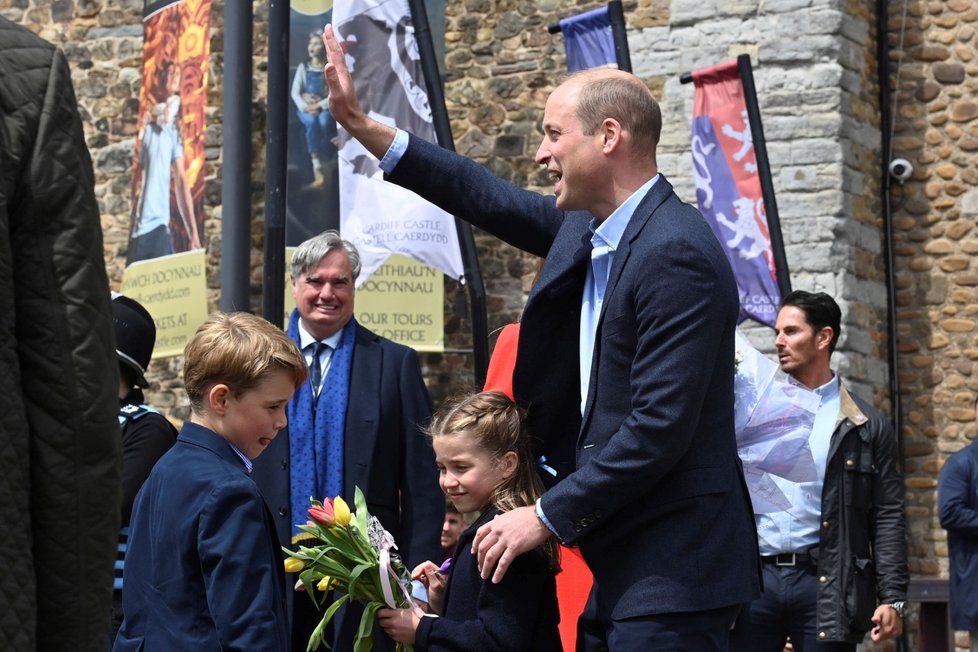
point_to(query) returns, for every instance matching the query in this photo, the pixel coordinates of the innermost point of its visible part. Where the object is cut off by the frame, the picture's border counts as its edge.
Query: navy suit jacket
(650, 487)
(385, 452)
(204, 566)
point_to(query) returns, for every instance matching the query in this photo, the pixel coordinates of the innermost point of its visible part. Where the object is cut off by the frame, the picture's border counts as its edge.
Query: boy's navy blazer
(204, 566)
(650, 486)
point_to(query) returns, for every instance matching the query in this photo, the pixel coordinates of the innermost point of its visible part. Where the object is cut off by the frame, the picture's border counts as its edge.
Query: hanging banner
(728, 188)
(165, 254)
(312, 187)
(588, 40)
(402, 300)
(378, 217)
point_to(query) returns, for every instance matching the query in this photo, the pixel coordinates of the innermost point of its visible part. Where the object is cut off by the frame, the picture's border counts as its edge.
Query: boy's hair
(496, 424)
(239, 350)
(450, 507)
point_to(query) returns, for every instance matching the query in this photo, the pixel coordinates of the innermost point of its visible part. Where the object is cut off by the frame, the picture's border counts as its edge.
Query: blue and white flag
(588, 40)
(379, 217)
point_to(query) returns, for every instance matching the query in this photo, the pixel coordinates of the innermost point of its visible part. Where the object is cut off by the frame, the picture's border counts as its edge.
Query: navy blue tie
(316, 369)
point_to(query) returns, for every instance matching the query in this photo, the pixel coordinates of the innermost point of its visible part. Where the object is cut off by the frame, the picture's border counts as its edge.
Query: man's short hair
(239, 350)
(626, 100)
(309, 253)
(820, 310)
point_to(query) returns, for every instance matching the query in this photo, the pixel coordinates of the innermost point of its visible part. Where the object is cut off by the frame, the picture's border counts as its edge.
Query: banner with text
(378, 217)
(728, 189)
(165, 254)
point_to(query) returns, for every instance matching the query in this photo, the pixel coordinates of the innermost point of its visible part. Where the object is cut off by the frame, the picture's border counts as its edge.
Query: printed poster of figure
(165, 254)
(312, 195)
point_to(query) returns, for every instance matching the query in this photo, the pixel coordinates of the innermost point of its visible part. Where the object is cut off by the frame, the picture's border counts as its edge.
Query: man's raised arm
(344, 105)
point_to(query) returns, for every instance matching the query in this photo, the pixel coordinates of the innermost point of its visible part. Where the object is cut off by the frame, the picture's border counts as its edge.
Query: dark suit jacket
(385, 452)
(652, 490)
(204, 567)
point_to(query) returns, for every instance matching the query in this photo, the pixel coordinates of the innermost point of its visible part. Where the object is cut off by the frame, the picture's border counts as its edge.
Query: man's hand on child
(506, 537)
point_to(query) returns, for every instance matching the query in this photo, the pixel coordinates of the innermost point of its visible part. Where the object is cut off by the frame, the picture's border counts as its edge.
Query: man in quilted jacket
(59, 437)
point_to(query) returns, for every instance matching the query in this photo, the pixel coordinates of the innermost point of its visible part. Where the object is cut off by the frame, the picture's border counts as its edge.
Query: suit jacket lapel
(643, 213)
(362, 411)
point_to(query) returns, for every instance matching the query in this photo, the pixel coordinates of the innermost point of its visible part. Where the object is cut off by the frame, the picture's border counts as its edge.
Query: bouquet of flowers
(349, 554)
(773, 420)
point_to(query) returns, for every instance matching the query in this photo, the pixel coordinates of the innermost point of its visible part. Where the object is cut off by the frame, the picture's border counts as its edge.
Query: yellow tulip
(326, 584)
(341, 512)
(293, 565)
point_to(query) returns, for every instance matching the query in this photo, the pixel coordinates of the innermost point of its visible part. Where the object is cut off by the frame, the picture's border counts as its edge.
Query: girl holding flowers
(485, 468)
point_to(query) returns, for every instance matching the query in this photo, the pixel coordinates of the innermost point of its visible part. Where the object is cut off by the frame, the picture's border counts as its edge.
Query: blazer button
(822, 636)
(825, 524)
(578, 527)
(285, 464)
(823, 579)
(850, 463)
(283, 512)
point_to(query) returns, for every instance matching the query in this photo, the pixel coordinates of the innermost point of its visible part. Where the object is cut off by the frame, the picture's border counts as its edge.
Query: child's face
(253, 418)
(467, 473)
(450, 530)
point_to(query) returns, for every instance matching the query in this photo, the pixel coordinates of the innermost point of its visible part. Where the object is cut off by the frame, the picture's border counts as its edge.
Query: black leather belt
(789, 559)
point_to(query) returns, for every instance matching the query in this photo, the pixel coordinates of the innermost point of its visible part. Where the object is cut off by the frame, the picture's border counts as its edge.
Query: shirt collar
(827, 391)
(610, 232)
(243, 457)
(305, 339)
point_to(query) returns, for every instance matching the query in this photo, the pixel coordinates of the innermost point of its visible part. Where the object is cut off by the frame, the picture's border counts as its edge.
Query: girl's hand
(400, 624)
(428, 574)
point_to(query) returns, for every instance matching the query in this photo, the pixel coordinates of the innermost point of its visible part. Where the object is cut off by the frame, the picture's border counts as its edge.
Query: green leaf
(361, 503)
(365, 632)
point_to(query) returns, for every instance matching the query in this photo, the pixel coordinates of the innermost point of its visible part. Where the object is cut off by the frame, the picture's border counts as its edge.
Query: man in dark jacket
(834, 562)
(957, 497)
(59, 437)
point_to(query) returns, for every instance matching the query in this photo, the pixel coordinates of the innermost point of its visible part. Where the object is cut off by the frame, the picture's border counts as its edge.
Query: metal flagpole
(443, 131)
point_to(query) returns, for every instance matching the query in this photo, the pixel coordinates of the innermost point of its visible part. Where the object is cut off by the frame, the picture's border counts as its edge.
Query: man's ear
(217, 398)
(823, 338)
(611, 132)
(508, 463)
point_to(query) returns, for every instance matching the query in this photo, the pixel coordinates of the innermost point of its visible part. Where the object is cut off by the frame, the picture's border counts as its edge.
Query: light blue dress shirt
(796, 530)
(605, 239)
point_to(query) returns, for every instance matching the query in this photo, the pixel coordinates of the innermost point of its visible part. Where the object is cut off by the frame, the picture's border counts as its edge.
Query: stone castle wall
(816, 74)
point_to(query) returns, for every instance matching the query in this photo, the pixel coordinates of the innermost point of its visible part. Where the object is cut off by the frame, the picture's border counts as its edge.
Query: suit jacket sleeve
(466, 189)
(955, 496)
(241, 568)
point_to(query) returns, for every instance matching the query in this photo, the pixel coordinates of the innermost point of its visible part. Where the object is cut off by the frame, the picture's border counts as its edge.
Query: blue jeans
(785, 609)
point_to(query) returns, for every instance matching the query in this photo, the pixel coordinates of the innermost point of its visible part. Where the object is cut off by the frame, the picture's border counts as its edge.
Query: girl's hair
(496, 424)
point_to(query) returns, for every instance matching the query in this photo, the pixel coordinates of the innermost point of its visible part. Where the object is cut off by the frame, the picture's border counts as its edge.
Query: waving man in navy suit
(638, 424)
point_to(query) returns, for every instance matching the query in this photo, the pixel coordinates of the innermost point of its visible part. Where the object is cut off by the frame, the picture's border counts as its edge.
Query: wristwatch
(899, 606)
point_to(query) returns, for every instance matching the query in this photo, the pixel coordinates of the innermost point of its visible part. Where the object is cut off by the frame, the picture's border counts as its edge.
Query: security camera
(901, 169)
